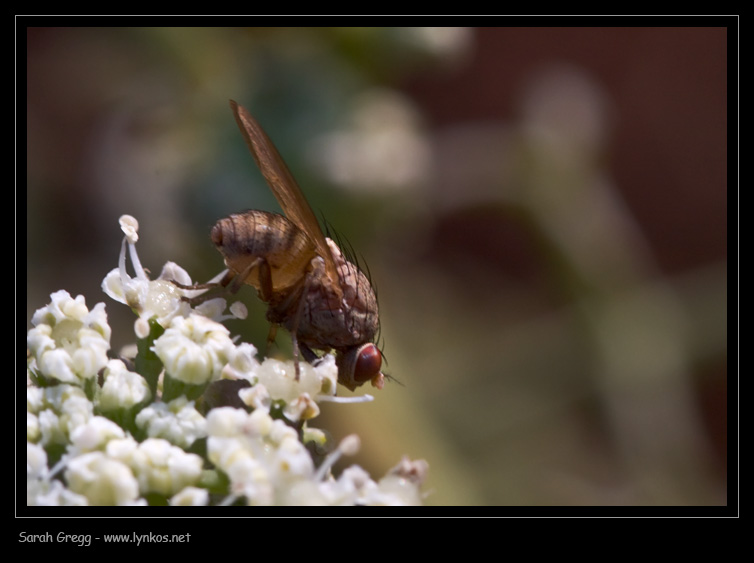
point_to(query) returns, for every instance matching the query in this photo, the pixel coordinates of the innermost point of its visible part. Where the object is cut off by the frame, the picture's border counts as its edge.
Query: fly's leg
(308, 354)
(265, 293)
(294, 327)
(193, 301)
(271, 337)
(231, 283)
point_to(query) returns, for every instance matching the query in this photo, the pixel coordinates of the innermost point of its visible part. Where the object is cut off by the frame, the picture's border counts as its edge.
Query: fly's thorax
(358, 293)
(243, 238)
(338, 317)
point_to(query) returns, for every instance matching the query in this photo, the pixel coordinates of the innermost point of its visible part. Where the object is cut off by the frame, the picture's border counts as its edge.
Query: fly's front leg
(231, 281)
(193, 301)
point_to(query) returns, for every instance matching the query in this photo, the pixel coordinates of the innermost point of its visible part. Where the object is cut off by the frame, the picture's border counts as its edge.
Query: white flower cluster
(158, 299)
(122, 389)
(53, 413)
(99, 433)
(68, 339)
(178, 422)
(268, 465)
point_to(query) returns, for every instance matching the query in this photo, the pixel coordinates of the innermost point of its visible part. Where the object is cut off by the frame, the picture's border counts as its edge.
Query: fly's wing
(283, 185)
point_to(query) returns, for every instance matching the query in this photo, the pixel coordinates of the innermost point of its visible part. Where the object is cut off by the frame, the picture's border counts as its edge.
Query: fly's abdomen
(242, 238)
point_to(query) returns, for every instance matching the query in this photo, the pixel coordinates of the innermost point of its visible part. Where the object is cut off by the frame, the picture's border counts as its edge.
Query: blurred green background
(543, 212)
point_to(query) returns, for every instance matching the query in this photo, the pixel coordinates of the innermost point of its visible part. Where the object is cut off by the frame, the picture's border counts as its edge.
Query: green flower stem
(126, 418)
(214, 481)
(174, 388)
(148, 365)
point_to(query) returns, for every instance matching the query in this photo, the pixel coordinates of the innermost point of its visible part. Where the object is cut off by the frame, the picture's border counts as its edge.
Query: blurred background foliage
(543, 212)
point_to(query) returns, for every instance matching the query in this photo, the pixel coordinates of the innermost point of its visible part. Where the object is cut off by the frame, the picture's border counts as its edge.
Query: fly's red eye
(368, 363)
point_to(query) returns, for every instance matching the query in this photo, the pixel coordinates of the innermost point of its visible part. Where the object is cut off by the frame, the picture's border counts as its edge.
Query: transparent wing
(283, 185)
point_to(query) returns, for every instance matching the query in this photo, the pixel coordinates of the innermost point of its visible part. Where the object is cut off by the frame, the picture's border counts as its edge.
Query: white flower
(130, 227)
(69, 342)
(267, 464)
(158, 299)
(63, 307)
(50, 429)
(40, 489)
(190, 496)
(159, 466)
(53, 493)
(280, 378)
(59, 410)
(122, 389)
(242, 363)
(33, 433)
(352, 484)
(277, 382)
(322, 489)
(301, 408)
(34, 399)
(226, 422)
(213, 309)
(36, 461)
(104, 481)
(355, 486)
(34, 405)
(395, 491)
(256, 397)
(238, 310)
(401, 486)
(261, 456)
(194, 349)
(95, 434)
(178, 422)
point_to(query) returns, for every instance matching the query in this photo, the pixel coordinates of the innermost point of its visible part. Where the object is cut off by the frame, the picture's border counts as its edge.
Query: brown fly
(325, 301)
